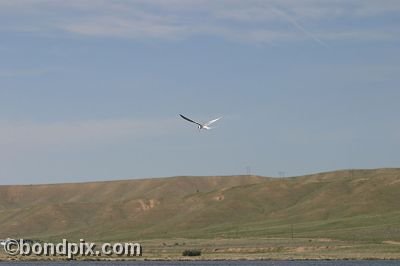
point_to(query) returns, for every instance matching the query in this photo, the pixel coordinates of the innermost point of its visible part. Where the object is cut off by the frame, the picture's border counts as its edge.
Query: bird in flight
(199, 125)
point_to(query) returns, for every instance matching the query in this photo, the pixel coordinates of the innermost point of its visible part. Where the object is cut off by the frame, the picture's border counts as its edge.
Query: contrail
(299, 27)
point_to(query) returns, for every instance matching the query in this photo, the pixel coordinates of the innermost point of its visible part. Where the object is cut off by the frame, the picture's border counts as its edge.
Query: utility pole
(291, 230)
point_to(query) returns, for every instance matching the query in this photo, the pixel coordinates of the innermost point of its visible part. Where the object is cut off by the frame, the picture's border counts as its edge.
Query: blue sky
(91, 90)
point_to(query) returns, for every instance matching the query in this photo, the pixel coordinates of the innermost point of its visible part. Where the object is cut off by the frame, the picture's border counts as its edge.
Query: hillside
(347, 205)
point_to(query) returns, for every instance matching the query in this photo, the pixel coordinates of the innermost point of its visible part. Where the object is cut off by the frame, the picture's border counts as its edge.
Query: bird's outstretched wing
(190, 120)
(212, 121)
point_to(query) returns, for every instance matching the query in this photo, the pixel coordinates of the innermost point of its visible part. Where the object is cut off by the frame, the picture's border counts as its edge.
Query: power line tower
(248, 170)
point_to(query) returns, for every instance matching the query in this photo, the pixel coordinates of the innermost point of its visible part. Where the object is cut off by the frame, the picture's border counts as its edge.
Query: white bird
(202, 126)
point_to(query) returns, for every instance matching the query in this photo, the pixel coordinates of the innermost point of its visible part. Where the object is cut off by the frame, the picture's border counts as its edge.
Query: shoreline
(33, 259)
(244, 249)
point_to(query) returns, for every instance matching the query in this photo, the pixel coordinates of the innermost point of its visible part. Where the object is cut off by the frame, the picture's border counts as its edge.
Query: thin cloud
(257, 21)
(126, 28)
(29, 135)
(16, 73)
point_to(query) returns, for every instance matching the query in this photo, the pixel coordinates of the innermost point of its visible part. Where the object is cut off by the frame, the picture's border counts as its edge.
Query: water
(213, 263)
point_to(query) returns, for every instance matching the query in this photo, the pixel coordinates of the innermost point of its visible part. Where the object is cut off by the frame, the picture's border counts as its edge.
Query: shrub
(191, 252)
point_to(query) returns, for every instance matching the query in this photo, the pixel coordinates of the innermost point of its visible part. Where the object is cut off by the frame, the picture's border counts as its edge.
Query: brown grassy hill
(47, 210)
(357, 204)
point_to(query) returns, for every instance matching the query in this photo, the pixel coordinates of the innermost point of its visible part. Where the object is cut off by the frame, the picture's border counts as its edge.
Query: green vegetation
(191, 252)
(354, 208)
